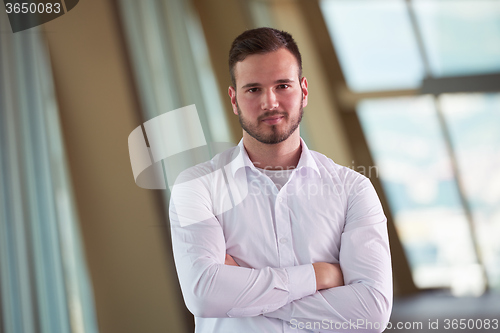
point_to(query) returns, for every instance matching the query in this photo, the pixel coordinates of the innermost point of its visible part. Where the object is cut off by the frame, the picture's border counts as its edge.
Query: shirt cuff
(301, 281)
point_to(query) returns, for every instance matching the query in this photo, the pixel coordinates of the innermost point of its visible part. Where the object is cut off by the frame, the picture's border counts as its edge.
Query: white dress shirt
(324, 213)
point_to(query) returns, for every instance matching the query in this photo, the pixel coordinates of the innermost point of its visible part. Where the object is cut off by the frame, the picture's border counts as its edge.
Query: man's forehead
(270, 67)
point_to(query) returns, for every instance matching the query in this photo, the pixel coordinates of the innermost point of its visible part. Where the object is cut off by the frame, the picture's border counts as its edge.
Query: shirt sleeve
(365, 301)
(212, 289)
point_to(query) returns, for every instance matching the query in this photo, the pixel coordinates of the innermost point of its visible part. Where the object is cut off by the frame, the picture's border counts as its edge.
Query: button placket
(283, 231)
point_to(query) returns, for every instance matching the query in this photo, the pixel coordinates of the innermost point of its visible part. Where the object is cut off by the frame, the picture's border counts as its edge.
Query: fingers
(328, 275)
(230, 261)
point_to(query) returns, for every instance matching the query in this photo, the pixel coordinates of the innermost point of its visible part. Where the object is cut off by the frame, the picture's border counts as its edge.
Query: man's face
(269, 98)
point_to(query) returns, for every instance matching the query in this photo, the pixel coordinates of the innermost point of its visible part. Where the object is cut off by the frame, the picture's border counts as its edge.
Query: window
(408, 146)
(375, 44)
(437, 153)
(473, 121)
(460, 37)
(44, 282)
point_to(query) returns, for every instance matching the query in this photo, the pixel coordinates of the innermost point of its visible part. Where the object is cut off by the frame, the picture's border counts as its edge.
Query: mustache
(272, 114)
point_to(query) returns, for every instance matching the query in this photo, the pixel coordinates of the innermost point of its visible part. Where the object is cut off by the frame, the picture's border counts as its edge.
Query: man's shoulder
(332, 169)
(349, 180)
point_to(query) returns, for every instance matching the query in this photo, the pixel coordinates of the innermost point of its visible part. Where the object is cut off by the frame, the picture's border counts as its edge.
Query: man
(270, 236)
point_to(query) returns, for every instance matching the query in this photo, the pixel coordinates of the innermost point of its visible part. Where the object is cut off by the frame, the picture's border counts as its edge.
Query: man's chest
(298, 225)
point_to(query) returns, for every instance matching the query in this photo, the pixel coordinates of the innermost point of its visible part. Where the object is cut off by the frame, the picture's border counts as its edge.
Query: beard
(276, 135)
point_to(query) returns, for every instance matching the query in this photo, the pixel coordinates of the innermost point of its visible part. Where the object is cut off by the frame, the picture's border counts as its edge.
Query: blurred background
(406, 92)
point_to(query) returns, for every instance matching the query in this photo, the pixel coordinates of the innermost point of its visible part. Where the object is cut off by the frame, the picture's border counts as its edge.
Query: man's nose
(269, 100)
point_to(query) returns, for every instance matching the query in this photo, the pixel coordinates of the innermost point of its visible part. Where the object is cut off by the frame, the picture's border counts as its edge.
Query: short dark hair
(259, 41)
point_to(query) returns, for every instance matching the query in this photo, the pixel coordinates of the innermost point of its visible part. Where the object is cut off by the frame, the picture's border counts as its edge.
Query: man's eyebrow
(255, 84)
(248, 85)
(284, 81)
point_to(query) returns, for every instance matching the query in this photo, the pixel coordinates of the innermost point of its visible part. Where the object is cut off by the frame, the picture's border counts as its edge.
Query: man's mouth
(273, 120)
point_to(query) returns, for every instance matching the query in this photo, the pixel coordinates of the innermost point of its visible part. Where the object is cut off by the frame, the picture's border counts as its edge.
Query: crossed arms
(213, 287)
(327, 275)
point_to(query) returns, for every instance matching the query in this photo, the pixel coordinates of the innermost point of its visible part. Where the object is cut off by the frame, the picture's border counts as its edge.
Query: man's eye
(283, 86)
(252, 90)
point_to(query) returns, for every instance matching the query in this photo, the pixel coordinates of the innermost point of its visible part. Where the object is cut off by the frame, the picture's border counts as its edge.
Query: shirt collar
(242, 160)
(307, 160)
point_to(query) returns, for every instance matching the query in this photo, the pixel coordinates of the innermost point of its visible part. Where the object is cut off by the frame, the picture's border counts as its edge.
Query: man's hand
(230, 261)
(328, 275)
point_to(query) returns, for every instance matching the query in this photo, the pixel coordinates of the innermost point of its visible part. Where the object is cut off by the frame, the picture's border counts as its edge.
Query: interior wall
(123, 226)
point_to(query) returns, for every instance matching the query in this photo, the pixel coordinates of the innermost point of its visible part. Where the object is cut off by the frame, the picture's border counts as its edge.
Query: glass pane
(474, 123)
(461, 36)
(375, 43)
(44, 285)
(406, 142)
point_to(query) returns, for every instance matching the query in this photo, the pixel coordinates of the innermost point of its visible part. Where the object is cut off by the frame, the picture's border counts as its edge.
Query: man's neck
(280, 156)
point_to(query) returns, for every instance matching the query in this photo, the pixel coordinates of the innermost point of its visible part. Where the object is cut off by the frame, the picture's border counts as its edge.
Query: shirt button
(280, 199)
(283, 240)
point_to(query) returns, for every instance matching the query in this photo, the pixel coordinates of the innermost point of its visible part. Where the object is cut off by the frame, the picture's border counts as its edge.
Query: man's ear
(303, 86)
(232, 95)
